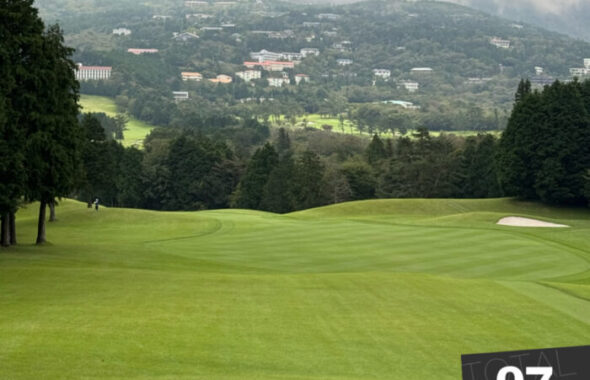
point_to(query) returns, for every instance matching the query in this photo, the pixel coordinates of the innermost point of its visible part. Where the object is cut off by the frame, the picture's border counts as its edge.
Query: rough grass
(136, 130)
(394, 289)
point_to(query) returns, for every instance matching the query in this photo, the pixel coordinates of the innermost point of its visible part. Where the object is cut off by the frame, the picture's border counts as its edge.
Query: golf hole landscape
(380, 289)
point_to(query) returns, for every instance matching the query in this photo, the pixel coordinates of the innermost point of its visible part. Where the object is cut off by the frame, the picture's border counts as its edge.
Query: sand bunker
(517, 221)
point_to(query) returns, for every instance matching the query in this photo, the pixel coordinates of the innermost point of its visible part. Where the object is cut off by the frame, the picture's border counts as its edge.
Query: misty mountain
(564, 16)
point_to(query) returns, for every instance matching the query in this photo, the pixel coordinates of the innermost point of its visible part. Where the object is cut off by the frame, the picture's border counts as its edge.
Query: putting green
(388, 289)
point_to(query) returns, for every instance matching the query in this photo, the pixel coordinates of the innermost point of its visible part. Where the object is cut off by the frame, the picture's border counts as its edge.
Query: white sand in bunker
(517, 221)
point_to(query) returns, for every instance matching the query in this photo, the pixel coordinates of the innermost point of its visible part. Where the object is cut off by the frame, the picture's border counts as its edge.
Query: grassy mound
(375, 289)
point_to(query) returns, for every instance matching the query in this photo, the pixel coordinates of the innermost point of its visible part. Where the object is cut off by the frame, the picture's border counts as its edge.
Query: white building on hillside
(538, 70)
(409, 85)
(278, 82)
(180, 96)
(194, 76)
(249, 75)
(305, 52)
(121, 32)
(422, 70)
(344, 62)
(382, 73)
(301, 78)
(500, 43)
(84, 73)
(587, 63)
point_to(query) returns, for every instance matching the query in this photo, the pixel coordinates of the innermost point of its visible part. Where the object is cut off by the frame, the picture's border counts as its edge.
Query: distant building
(142, 51)
(193, 76)
(402, 103)
(382, 73)
(84, 73)
(224, 3)
(344, 62)
(308, 24)
(477, 80)
(211, 28)
(422, 70)
(328, 16)
(249, 75)
(305, 52)
(579, 71)
(538, 70)
(587, 63)
(121, 32)
(301, 78)
(161, 17)
(278, 82)
(500, 43)
(270, 65)
(180, 96)
(198, 16)
(223, 79)
(265, 55)
(184, 36)
(195, 4)
(409, 85)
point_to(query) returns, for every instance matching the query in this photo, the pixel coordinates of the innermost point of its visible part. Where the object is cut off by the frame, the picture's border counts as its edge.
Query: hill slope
(380, 289)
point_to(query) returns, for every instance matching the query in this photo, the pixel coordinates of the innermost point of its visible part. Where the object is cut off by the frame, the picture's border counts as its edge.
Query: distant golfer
(96, 204)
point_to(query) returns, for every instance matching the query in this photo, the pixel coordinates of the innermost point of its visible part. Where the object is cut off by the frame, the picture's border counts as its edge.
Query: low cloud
(555, 7)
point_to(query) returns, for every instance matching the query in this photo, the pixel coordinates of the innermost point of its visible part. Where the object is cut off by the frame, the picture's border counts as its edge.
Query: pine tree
(21, 39)
(53, 133)
(249, 193)
(375, 151)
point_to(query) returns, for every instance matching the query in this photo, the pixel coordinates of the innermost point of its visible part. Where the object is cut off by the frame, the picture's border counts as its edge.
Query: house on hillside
(422, 70)
(409, 85)
(191, 76)
(121, 32)
(161, 17)
(301, 78)
(278, 81)
(500, 43)
(382, 73)
(180, 96)
(270, 65)
(195, 4)
(249, 75)
(344, 62)
(222, 79)
(184, 36)
(84, 73)
(142, 51)
(305, 52)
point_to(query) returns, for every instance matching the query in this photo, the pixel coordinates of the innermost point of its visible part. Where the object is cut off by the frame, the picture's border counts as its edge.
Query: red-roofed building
(270, 65)
(93, 72)
(142, 51)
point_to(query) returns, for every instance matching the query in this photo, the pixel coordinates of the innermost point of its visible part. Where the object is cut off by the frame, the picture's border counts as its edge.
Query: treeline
(544, 153)
(181, 169)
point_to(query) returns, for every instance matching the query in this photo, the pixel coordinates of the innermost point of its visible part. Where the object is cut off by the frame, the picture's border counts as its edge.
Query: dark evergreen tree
(249, 193)
(21, 40)
(53, 132)
(309, 186)
(278, 194)
(375, 151)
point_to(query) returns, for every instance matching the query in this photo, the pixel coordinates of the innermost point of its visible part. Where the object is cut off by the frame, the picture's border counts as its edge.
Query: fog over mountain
(564, 16)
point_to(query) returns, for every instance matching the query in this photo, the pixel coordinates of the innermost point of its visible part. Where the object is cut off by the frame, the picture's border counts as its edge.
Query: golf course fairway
(385, 289)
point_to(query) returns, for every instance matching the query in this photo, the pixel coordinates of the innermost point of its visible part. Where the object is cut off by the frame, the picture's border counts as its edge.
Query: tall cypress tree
(54, 135)
(21, 39)
(251, 188)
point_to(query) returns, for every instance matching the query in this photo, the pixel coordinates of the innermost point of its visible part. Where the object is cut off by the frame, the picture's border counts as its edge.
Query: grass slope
(393, 289)
(136, 130)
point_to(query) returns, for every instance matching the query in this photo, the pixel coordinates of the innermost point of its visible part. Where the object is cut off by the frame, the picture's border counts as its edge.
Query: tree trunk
(12, 227)
(5, 231)
(41, 223)
(52, 211)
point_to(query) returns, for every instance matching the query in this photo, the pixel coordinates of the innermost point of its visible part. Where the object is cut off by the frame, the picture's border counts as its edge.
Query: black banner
(567, 363)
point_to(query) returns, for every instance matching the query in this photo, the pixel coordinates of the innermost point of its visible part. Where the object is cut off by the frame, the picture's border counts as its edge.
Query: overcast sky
(546, 6)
